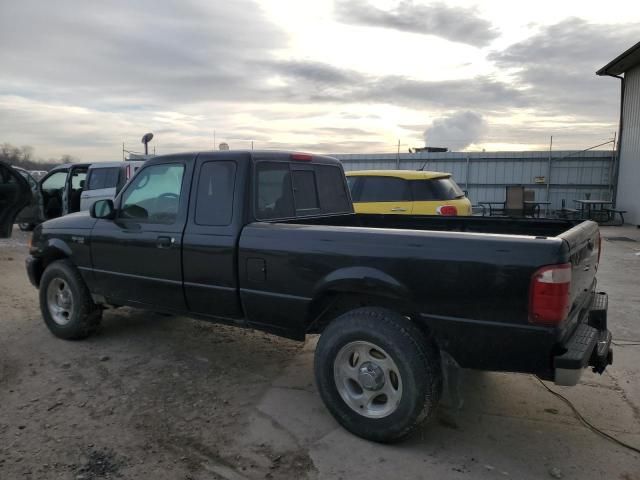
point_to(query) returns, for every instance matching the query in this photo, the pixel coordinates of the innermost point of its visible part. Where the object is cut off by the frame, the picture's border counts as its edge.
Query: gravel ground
(149, 396)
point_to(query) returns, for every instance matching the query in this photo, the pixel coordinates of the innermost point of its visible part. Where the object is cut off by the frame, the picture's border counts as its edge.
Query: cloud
(134, 52)
(557, 66)
(456, 131)
(456, 24)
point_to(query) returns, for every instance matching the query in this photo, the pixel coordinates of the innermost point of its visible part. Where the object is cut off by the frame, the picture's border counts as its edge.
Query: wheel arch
(353, 287)
(54, 250)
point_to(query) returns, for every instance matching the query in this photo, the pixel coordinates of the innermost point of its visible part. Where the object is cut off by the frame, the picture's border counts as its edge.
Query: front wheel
(377, 373)
(65, 302)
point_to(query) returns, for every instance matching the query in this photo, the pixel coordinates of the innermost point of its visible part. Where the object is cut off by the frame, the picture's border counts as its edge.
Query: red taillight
(550, 295)
(447, 210)
(301, 157)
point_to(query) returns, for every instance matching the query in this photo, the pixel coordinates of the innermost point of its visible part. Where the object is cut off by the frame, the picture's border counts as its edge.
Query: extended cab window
(274, 194)
(154, 194)
(333, 194)
(103, 178)
(384, 189)
(214, 203)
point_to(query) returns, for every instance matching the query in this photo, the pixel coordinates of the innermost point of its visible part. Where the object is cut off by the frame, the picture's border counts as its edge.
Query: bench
(612, 215)
(568, 213)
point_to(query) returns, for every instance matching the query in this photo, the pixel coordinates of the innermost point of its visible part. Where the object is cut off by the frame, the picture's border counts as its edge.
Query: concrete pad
(301, 413)
(482, 447)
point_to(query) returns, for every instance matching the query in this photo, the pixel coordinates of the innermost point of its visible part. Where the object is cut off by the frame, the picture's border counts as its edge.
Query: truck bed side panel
(454, 278)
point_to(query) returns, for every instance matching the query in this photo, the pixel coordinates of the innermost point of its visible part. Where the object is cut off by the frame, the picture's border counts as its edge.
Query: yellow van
(407, 192)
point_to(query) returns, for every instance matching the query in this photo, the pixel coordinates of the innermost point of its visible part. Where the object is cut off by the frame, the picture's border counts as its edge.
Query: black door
(137, 257)
(15, 194)
(211, 235)
(29, 216)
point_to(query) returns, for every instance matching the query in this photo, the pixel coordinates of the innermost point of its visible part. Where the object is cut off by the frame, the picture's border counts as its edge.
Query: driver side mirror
(103, 209)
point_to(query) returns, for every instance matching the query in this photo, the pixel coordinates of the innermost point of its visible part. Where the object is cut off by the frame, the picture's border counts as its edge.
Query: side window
(154, 194)
(103, 178)
(384, 189)
(76, 180)
(333, 194)
(305, 192)
(55, 182)
(436, 189)
(274, 194)
(32, 183)
(214, 202)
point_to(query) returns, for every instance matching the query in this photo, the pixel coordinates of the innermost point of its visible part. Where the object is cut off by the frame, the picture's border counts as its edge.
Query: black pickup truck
(269, 240)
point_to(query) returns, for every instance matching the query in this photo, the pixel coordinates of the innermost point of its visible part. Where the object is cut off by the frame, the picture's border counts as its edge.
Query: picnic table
(531, 207)
(595, 209)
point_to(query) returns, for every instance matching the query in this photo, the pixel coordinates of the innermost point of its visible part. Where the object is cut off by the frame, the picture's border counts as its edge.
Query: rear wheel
(377, 374)
(65, 302)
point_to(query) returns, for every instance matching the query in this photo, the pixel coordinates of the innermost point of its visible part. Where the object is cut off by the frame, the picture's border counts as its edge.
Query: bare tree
(24, 157)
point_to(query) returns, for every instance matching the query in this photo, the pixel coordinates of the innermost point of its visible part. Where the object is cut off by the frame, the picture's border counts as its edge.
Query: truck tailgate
(583, 243)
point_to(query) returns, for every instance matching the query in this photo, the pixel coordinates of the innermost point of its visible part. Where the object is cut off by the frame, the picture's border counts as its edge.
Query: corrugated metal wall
(629, 176)
(486, 174)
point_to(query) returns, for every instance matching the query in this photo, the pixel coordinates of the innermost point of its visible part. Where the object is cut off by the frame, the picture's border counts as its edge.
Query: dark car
(15, 194)
(269, 240)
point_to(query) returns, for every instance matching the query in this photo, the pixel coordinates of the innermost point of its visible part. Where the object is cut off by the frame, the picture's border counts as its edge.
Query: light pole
(146, 139)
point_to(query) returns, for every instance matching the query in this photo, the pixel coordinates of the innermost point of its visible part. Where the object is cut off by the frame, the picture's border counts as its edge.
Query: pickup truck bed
(269, 240)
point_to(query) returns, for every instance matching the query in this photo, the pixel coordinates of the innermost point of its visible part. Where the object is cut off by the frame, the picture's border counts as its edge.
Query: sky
(329, 76)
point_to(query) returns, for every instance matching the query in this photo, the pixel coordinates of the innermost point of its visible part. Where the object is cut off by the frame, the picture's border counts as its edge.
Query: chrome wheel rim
(60, 301)
(367, 379)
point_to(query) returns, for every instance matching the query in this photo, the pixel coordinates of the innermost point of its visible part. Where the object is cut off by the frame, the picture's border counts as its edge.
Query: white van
(105, 180)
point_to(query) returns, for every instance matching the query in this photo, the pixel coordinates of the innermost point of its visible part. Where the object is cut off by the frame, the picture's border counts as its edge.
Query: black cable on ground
(625, 343)
(586, 422)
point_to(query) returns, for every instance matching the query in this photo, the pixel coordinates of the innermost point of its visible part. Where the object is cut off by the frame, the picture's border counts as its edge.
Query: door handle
(165, 242)
(398, 209)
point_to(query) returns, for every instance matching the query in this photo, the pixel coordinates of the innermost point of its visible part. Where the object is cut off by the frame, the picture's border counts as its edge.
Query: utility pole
(549, 169)
(251, 144)
(123, 151)
(398, 157)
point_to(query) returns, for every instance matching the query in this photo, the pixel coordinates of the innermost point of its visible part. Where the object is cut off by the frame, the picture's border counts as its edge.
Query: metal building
(626, 67)
(558, 176)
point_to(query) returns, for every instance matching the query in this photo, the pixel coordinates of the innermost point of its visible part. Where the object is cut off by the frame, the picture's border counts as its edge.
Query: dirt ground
(149, 396)
(163, 397)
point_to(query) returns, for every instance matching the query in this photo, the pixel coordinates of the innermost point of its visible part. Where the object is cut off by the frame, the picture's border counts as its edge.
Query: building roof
(623, 62)
(405, 174)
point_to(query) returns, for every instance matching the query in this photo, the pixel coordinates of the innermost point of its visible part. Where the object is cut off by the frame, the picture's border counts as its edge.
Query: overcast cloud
(452, 23)
(80, 77)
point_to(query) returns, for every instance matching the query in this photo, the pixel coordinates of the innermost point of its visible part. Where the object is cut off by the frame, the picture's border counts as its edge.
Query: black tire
(83, 316)
(416, 357)
(26, 227)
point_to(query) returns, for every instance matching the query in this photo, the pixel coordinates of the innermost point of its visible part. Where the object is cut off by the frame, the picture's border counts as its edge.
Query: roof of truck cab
(116, 163)
(251, 154)
(404, 174)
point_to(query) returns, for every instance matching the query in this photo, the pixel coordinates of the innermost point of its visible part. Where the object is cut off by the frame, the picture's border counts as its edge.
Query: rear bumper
(34, 270)
(588, 346)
